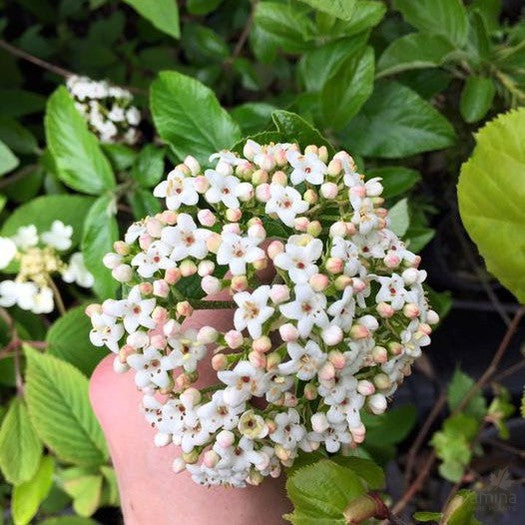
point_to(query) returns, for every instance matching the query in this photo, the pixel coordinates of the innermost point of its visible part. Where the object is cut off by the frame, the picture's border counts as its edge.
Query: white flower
(154, 258)
(59, 236)
(349, 253)
(133, 116)
(222, 189)
(343, 310)
(151, 367)
(347, 410)
(332, 437)
(26, 237)
(186, 239)
(286, 203)
(177, 189)
(7, 251)
(218, 414)
(305, 361)
(335, 390)
(77, 272)
(252, 310)
(301, 252)
(106, 331)
(21, 294)
(134, 311)
(306, 167)
(243, 382)
(309, 309)
(392, 291)
(187, 352)
(289, 432)
(236, 251)
(135, 231)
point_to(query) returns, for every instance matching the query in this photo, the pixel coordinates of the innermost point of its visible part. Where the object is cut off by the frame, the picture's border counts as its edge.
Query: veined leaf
(163, 14)
(8, 160)
(343, 9)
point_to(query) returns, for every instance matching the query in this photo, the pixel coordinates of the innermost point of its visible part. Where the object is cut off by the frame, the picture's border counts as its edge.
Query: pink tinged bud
(93, 309)
(334, 167)
(425, 328)
(239, 283)
(262, 192)
(184, 309)
(260, 264)
(182, 381)
(122, 273)
(358, 433)
(338, 229)
(342, 282)
(337, 359)
(358, 191)
(145, 241)
(273, 360)
(288, 333)
(327, 371)
(233, 339)
(280, 157)
(385, 310)
(310, 196)
(257, 359)
(213, 242)
(282, 453)
(314, 228)
(332, 335)
(188, 268)
(172, 275)
(311, 148)
(178, 465)
(145, 288)
(310, 391)
(323, 153)
(301, 223)
(257, 231)
(158, 341)
(279, 293)
(183, 169)
(358, 285)
(379, 354)
(334, 265)
(358, 331)
(411, 310)
(351, 228)
(329, 190)
(205, 268)
(365, 387)
(280, 177)
(249, 150)
(207, 335)
(190, 397)
(262, 344)
(233, 215)
(370, 322)
(137, 339)
(219, 362)
(119, 367)
(225, 438)
(154, 227)
(121, 248)
(319, 282)
(161, 288)
(377, 403)
(224, 168)
(319, 422)
(111, 260)
(432, 317)
(410, 275)
(259, 177)
(171, 328)
(232, 228)
(381, 213)
(274, 249)
(168, 217)
(290, 400)
(206, 218)
(417, 261)
(267, 163)
(192, 164)
(382, 381)
(255, 220)
(392, 260)
(210, 458)
(395, 348)
(159, 314)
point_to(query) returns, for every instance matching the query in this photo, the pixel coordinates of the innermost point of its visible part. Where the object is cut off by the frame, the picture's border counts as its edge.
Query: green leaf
(476, 98)
(396, 122)
(79, 160)
(368, 13)
(42, 211)
(17, 102)
(265, 137)
(17, 137)
(148, 167)
(323, 489)
(100, 232)
(58, 402)
(427, 516)
(143, 203)
(391, 427)
(202, 7)
(20, 446)
(399, 217)
(441, 17)
(458, 388)
(295, 129)
(253, 116)
(28, 496)
(68, 520)
(461, 509)
(396, 180)
(343, 9)
(366, 469)
(348, 89)
(491, 192)
(189, 117)
(85, 489)
(489, 10)
(8, 161)
(163, 14)
(202, 45)
(120, 155)
(414, 51)
(68, 340)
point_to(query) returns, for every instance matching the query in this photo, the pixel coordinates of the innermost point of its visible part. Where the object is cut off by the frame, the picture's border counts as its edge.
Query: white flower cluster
(332, 335)
(107, 109)
(36, 258)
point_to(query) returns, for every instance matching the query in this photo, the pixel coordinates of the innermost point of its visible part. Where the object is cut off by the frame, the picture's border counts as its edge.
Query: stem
(17, 175)
(58, 297)
(245, 33)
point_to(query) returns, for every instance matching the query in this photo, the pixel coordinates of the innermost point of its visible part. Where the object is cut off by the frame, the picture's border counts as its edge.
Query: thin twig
(516, 367)
(17, 175)
(245, 33)
(58, 297)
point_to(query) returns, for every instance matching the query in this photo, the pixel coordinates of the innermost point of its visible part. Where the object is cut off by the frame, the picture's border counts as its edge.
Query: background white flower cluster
(107, 109)
(332, 335)
(35, 258)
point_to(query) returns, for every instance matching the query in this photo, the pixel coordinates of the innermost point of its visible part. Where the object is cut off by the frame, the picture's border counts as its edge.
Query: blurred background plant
(402, 85)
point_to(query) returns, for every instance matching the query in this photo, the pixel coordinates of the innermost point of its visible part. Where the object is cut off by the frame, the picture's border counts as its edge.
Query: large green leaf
(58, 402)
(163, 14)
(396, 122)
(440, 17)
(20, 446)
(395, 179)
(17, 102)
(17, 137)
(458, 388)
(343, 9)
(8, 161)
(414, 51)
(476, 98)
(148, 167)
(100, 232)
(348, 89)
(367, 14)
(28, 496)
(399, 217)
(42, 211)
(189, 117)
(491, 193)
(79, 160)
(68, 339)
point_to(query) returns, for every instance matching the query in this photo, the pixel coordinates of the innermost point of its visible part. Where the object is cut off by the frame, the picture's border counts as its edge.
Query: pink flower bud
(310, 196)
(206, 218)
(301, 223)
(327, 371)
(187, 268)
(171, 328)
(358, 285)
(319, 422)
(172, 275)
(259, 177)
(267, 162)
(358, 191)
(262, 192)
(377, 403)
(225, 438)
(145, 241)
(257, 231)
(224, 168)
(382, 381)
(334, 265)
(233, 215)
(337, 358)
(245, 191)
(343, 281)
(279, 293)
(122, 273)
(379, 354)
(158, 341)
(272, 361)
(370, 322)
(392, 260)
(93, 309)
(338, 229)
(190, 397)
(365, 387)
(161, 288)
(184, 308)
(323, 153)
(262, 344)
(154, 227)
(280, 177)
(219, 362)
(260, 264)
(332, 335)
(432, 317)
(213, 242)
(274, 249)
(145, 288)
(232, 228)
(178, 465)
(395, 348)
(358, 433)
(310, 391)
(168, 217)
(288, 333)
(411, 310)
(334, 167)
(257, 359)
(182, 381)
(207, 335)
(311, 148)
(205, 268)
(239, 283)
(121, 248)
(233, 339)
(385, 310)
(159, 314)
(111, 260)
(210, 458)
(329, 190)
(314, 228)
(192, 164)
(138, 339)
(425, 328)
(125, 352)
(358, 331)
(319, 282)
